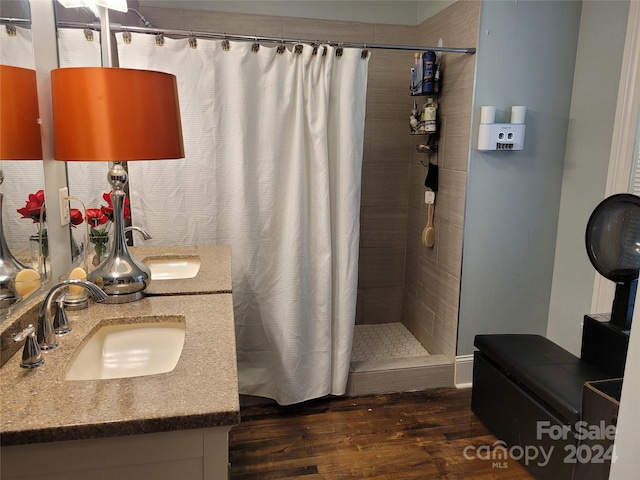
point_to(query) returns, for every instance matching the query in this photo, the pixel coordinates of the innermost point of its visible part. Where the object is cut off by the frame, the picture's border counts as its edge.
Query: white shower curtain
(273, 160)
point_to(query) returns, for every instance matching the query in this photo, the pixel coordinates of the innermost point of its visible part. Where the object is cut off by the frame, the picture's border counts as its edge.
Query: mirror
(22, 179)
(35, 48)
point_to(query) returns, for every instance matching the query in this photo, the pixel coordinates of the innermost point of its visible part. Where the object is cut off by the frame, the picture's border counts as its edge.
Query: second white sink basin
(130, 350)
(169, 267)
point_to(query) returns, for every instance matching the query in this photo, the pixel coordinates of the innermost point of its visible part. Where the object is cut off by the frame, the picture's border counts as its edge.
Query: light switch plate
(65, 213)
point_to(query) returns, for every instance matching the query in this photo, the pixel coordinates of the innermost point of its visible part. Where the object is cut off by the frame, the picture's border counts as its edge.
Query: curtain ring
(339, 52)
(126, 37)
(226, 45)
(364, 54)
(160, 39)
(88, 34)
(193, 41)
(315, 50)
(255, 46)
(11, 30)
(280, 50)
(297, 49)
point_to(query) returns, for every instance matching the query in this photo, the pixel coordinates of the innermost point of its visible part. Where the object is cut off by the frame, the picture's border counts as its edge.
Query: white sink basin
(130, 350)
(170, 267)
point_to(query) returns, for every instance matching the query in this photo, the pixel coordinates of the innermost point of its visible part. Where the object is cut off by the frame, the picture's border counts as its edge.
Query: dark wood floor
(405, 436)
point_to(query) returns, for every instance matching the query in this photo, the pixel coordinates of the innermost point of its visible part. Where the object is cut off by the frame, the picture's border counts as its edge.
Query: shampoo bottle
(416, 73)
(428, 71)
(430, 116)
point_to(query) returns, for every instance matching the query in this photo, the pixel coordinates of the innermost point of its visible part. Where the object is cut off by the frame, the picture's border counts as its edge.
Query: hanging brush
(429, 233)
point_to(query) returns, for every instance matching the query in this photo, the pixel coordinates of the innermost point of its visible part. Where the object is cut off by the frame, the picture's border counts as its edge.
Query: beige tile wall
(385, 171)
(425, 293)
(432, 276)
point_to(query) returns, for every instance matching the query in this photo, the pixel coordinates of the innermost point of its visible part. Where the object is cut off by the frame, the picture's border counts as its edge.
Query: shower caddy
(426, 83)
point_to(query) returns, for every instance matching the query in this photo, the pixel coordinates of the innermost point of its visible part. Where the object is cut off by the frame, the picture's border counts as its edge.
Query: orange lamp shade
(115, 114)
(19, 127)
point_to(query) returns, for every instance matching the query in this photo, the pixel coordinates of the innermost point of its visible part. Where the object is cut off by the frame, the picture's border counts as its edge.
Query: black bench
(528, 391)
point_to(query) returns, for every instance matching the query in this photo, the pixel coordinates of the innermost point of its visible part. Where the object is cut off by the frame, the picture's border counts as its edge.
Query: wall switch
(65, 214)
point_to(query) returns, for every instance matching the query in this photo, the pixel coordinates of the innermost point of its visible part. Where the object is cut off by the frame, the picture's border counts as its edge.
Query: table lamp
(116, 115)
(19, 140)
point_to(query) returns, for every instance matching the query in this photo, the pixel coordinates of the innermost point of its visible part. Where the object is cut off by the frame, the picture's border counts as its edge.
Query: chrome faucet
(46, 331)
(143, 232)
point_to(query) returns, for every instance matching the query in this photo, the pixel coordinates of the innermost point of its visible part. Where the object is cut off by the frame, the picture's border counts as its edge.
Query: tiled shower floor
(387, 358)
(384, 341)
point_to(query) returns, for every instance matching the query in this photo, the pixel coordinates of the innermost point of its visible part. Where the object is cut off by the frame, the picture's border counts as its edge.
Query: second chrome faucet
(46, 332)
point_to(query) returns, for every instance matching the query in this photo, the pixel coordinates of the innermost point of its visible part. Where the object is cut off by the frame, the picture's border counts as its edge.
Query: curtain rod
(10, 20)
(115, 27)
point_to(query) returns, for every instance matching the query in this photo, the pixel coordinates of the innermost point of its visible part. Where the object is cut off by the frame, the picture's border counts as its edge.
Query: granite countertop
(214, 275)
(39, 405)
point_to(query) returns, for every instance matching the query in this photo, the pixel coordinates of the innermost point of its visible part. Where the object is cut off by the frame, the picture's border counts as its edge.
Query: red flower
(76, 217)
(38, 196)
(96, 217)
(33, 207)
(108, 209)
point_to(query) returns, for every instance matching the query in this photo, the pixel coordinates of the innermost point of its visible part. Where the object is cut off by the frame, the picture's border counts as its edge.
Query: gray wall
(526, 56)
(603, 27)
(428, 8)
(398, 12)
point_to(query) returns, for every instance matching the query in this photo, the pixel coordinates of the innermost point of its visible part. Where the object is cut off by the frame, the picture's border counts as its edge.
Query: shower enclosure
(402, 282)
(409, 288)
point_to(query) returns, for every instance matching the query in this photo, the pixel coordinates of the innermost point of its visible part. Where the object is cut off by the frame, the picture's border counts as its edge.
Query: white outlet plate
(501, 136)
(65, 213)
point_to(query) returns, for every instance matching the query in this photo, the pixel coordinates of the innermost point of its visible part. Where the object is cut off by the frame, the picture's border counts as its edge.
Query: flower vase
(77, 250)
(40, 254)
(101, 245)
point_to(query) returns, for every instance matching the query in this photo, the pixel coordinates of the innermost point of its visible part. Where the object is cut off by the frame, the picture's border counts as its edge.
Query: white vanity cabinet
(185, 455)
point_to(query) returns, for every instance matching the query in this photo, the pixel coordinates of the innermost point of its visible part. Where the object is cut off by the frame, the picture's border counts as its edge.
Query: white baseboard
(464, 371)
(460, 386)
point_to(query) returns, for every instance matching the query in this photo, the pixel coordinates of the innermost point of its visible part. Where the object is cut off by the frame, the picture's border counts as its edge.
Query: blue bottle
(428, 71)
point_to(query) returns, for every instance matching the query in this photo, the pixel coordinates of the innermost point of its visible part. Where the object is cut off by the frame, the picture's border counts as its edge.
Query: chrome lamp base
(123, 278)
(9, 267)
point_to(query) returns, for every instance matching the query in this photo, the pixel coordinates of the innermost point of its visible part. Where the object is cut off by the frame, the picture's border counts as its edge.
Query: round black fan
(613, 246)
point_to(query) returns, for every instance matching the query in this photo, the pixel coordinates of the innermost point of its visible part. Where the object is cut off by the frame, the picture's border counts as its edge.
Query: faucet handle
(60, 320)
(31, 354)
